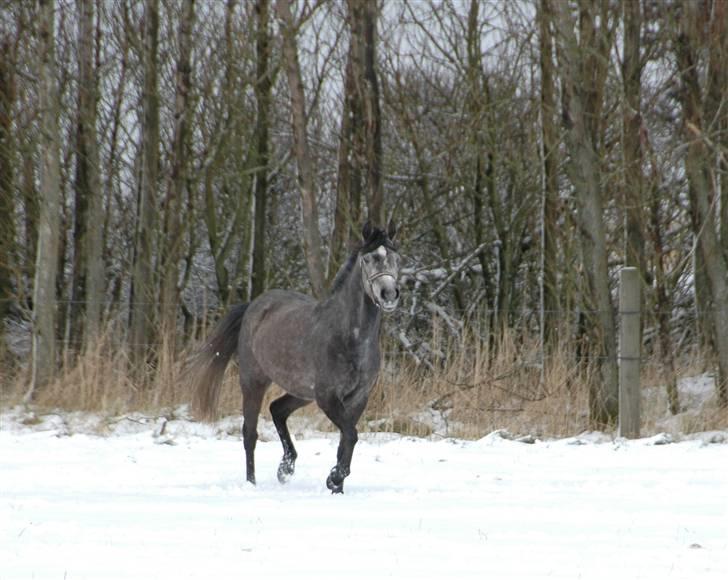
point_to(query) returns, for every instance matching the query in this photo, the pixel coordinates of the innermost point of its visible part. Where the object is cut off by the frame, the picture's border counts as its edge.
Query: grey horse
(324, 351)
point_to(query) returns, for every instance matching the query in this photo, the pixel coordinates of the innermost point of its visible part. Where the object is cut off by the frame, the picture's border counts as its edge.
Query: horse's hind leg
(280, 410)
(252, 401)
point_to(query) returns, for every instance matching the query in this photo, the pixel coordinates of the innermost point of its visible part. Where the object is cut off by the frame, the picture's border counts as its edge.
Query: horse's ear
(391, 230)
(367, 231)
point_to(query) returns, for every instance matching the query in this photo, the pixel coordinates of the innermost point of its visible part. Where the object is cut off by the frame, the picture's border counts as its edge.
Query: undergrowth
(472, 388)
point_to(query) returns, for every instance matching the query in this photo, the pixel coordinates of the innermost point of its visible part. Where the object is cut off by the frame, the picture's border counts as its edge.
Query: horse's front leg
(343, 414)
(347, 441)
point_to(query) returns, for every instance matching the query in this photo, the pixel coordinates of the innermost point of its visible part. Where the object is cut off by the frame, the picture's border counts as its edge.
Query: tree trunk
(360, 145)
(228, 224)
(583, 72)
(113, 164)
(306, 180)
(699, 170)
(716, 103)
(171, 252)
(663, 296)
(631, 126)
(263, 87)
(88, 267)
(349, 178)
(7, 183)
(476, 95)
(663, 304)
(550, 145)
(142, 299)
(372, 110)
(485, 192)
(44, 303)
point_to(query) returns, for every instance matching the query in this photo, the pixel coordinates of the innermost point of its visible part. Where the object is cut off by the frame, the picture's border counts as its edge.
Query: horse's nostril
(389, 294)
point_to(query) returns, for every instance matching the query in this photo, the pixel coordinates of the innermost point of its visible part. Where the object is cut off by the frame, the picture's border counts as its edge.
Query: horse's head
(380, 266)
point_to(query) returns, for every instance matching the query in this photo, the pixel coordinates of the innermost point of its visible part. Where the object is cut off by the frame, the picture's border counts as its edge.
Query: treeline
(161, 159)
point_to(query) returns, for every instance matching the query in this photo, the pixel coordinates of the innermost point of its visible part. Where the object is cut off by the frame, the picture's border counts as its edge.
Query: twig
(453, 324)
(458, 269)
(491, 381)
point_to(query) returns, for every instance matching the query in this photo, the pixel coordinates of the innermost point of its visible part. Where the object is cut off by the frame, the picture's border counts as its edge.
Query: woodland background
(161, 159)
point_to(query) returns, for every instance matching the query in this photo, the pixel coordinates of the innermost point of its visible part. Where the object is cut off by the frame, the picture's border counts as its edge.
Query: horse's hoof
(285, 471)
(333, 486)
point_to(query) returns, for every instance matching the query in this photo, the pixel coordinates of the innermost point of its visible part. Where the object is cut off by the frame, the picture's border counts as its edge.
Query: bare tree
(174, 229)
(7, 176)
(89, 283)
(360, 145)
(363, 16)
(263, 86)
(142, 294)
(483, 182)
(632, 64)
(306, 182)
(700, 172)
(44, 299)
(349, 183)
(583, 64)
(550, 150)
(224, 121)
(716, 104)
(663, 302)
(26, 145)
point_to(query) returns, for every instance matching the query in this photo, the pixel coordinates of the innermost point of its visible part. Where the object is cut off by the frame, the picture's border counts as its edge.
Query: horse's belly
(301, 386)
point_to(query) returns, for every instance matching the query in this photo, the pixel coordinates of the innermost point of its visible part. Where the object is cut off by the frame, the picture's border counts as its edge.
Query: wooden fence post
(629, 353)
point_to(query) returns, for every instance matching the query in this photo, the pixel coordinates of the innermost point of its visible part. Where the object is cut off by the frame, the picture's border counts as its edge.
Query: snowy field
(156, 499)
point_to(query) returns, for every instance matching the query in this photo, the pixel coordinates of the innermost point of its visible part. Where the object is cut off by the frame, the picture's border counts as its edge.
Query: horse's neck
(353, 308)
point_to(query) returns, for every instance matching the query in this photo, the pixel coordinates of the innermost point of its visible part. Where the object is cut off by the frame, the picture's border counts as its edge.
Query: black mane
(376, 238)
(344, 272)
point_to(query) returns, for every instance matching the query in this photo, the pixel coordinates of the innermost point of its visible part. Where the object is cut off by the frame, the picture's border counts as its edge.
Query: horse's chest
(357, 358)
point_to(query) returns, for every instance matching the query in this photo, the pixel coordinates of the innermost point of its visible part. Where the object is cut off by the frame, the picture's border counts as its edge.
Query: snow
(166, 498)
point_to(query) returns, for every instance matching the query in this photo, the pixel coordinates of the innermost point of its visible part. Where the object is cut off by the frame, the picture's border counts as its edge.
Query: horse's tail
(208, 366)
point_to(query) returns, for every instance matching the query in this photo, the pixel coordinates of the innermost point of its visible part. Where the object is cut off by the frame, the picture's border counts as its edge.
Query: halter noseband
(380, 275)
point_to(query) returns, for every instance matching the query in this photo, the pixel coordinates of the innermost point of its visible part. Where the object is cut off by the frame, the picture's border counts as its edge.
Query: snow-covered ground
(153, 498)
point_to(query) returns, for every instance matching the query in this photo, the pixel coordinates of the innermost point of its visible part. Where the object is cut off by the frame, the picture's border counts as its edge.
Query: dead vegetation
(474, 388)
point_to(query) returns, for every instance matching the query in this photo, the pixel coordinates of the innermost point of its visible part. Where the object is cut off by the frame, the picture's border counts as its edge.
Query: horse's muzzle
(386, 291)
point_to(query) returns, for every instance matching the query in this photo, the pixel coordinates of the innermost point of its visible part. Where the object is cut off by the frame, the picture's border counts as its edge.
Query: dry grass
(478, 388)
(474, 389)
